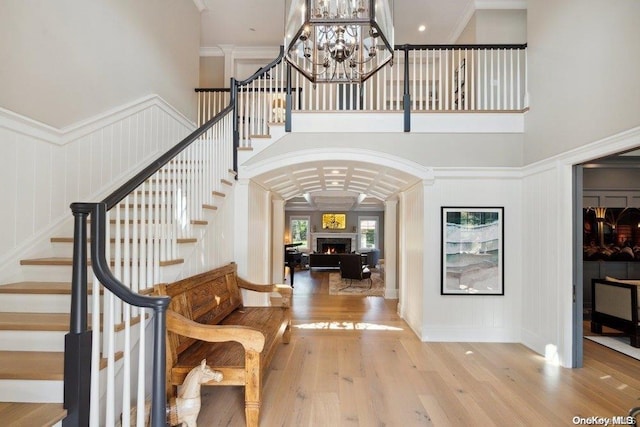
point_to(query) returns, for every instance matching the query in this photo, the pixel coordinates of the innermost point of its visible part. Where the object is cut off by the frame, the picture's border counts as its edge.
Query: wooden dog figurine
(186, 407)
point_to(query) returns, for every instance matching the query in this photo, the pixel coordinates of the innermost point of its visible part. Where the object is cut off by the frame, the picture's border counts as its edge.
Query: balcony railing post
(406, 98)
(77, 343)
(287, 117)
(236, 118)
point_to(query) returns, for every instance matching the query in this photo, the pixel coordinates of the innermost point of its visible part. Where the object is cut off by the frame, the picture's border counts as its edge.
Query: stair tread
(51, 288)
(68, 261)
(34, 321)
(32, 365)
(31, 414)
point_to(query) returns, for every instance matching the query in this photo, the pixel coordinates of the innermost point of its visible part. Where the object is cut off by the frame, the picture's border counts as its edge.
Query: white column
(390, 249)
(229, 63)
(241, 227)
(277, 240)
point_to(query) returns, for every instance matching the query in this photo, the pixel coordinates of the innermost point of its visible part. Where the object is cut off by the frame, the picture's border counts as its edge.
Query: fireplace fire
(333, 246)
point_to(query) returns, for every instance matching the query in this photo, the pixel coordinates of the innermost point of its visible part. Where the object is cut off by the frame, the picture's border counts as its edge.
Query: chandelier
(343, 41)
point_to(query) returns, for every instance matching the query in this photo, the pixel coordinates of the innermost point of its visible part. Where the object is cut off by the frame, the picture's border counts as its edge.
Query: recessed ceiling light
(422, 28)
(334, 182)
(335, 171)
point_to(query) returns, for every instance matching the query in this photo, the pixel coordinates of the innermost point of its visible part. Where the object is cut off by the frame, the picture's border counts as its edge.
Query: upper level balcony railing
(421, 79)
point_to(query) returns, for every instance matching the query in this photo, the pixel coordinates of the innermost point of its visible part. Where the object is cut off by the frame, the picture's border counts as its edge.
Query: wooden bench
(615, 305)
(206, 320)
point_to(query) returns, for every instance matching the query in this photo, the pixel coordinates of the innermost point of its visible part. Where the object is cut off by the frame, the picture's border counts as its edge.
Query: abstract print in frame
(472, 251)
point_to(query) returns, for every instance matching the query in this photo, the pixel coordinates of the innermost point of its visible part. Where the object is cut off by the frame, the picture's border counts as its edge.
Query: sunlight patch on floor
(347, 326)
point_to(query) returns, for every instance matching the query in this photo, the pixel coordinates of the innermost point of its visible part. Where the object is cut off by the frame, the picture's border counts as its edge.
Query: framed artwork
(472, 253)
(334, 221)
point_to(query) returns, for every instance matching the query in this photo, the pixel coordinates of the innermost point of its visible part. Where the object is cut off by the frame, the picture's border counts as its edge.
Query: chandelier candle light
(341, 41)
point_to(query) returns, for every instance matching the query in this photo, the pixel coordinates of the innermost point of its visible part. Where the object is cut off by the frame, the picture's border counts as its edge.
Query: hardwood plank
(31, 414)
(50, 288)
(28, 365)
(353, 362)
(34, 321)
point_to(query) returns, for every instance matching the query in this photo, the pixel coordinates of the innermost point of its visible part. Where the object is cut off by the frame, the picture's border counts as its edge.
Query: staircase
(154, 234)
(34, 319)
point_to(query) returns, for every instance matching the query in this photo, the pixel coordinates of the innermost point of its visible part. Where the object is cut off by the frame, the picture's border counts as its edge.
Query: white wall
(252, 232)
(501, 26)
(64, 61)
(495, 26)
(212, 72)
(547, 252)
(473, 318)
(583, 62)
(429, 149)
(542, 244)
(411, 255)
(44, 169)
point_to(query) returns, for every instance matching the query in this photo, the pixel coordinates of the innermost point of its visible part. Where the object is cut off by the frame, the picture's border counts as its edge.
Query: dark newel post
(406, 99)
(77, 343)
(361, 95)
(158, 399)
(287, 116)
(236, 133)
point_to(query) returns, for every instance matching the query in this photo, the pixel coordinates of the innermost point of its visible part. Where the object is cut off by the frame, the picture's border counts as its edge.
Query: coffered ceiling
(338, 185)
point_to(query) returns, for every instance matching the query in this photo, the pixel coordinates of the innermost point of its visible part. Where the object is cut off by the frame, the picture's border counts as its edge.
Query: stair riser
(31, 391)
(32, 341)
(53, 340)
(62, 273)
(65, 249)
(38, 303)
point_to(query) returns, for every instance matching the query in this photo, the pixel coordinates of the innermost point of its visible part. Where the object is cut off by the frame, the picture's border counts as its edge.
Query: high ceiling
(338, 185)
(252, 23)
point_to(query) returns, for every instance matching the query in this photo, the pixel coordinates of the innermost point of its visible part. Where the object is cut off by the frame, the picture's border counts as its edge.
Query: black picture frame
(472, 250)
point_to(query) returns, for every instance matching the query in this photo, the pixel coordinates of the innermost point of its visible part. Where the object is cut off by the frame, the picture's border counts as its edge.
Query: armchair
(351, 268)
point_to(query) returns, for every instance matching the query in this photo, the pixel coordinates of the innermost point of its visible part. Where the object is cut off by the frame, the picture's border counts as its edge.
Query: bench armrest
(282, 289)
(250, 339)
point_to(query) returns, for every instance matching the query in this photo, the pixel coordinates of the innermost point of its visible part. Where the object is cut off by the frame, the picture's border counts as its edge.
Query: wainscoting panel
(474, 318)
(43, 169)
(411, 262)
(540, 315)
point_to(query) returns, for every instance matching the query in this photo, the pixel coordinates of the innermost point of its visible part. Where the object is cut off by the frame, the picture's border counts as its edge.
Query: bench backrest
(206, 298)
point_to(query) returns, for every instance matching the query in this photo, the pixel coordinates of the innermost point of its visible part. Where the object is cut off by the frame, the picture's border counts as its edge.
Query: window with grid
(368, 232)
(299, 228)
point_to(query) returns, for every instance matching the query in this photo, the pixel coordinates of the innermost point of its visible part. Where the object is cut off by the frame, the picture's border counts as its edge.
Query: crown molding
(241, 52)
(462, 22)
(500, 4)
(201, 5)
(211, 51)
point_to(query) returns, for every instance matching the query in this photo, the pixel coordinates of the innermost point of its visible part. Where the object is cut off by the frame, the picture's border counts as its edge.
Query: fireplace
(333, 248)
(333, 245)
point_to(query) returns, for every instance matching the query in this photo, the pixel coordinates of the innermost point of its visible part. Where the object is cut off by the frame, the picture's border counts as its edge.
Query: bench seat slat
(231, 354)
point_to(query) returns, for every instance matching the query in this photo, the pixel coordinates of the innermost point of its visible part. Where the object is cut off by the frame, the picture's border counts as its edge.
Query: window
(368, 232)
(299, 229)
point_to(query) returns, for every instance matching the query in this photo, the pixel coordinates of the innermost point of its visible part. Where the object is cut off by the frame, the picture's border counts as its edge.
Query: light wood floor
(353, 362)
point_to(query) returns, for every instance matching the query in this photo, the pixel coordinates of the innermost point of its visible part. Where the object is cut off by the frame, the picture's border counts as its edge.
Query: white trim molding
(62, 136)
(501, 4)
(241, 52)
(201, 5)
